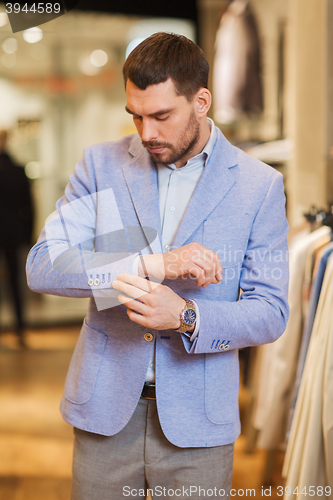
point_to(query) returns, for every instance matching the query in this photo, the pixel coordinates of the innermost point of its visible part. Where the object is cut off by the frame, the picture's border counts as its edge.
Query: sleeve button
(223, 347)
(97, 281)
(90, 282)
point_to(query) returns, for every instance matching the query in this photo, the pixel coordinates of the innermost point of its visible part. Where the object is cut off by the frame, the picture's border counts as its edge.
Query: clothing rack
(312, 390)
(316, 218)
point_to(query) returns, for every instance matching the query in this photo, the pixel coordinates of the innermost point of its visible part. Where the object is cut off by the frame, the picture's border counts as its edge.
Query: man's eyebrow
(157, 113)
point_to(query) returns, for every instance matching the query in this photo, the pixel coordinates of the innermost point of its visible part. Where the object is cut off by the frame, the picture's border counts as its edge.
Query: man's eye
(137, 117)
(158, 118)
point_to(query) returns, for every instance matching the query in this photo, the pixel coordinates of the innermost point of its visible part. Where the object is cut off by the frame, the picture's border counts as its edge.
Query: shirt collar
(211, 141)
(205, 153)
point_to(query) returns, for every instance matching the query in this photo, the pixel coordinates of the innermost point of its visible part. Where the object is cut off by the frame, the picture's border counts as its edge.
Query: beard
(186, 143)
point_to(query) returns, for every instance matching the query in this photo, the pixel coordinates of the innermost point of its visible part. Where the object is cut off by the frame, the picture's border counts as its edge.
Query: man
(152, 388)
(16, 221)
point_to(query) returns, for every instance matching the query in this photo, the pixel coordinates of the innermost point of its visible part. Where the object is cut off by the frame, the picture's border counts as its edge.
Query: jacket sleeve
(261, 313)
(65, 260)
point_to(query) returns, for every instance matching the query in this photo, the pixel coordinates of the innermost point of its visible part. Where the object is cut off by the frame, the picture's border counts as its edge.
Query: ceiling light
(98, 58)
(33, 35)
(9, 45)
(3, 19)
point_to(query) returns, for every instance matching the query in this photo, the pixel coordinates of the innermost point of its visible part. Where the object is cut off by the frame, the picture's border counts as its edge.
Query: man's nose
(148, 130)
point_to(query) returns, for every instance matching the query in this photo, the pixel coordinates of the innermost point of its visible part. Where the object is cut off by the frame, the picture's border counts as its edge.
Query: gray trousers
(139, 459)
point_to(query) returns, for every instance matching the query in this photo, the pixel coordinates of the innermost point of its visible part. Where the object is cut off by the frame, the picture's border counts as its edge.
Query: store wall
(306, 106)
(329, 59)
(271, 17)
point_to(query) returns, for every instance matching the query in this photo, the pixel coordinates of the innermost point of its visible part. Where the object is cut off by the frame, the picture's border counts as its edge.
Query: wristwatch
(188, 316)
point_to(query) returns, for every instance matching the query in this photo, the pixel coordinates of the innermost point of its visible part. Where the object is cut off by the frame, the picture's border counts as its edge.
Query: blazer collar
(141, 178)
(214, 183)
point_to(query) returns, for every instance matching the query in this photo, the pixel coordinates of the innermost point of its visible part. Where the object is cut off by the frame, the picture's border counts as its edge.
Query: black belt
(148, 391)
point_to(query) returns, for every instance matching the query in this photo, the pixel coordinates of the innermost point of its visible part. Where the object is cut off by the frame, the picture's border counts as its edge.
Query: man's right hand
(190, 261)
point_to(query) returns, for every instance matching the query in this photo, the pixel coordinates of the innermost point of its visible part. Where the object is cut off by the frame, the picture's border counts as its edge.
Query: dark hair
(167, 55)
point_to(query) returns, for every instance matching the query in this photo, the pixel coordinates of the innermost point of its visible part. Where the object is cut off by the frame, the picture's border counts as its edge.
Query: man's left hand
(148, 303)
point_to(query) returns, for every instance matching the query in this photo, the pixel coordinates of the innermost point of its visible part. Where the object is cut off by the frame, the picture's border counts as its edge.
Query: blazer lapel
(141, 179)
(214, 183)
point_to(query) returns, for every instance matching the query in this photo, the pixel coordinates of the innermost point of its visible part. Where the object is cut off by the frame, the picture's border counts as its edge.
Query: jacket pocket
(221, 386)
(84, 366)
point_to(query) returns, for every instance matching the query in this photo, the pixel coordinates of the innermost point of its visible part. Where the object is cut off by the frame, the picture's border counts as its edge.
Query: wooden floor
(35, 443)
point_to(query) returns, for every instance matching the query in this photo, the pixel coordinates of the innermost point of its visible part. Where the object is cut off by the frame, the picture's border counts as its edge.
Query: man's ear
(203, 100)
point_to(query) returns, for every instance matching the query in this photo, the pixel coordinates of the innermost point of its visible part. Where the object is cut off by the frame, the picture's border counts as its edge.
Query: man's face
(166, 122)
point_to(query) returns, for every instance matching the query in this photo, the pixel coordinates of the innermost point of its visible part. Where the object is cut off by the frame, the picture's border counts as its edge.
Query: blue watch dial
(189, 316)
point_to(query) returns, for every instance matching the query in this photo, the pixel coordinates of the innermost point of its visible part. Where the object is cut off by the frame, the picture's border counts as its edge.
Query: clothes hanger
(312, 217)
(322, 217)
(328, 218)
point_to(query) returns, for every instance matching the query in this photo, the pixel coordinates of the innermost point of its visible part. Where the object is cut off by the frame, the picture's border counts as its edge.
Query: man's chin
(163, 158)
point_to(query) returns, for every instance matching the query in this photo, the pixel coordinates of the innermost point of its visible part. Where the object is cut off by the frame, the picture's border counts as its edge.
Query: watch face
(189, 316)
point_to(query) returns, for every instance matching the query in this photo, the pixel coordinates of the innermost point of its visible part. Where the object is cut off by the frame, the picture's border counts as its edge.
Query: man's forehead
(160, 111)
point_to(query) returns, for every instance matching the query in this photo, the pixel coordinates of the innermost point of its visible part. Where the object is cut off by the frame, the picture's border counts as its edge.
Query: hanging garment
(314, 298)
(309, 455)
(279, 359)
(237, 84)
(309, 276)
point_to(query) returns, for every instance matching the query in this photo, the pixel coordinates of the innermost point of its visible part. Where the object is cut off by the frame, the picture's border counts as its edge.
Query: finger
(199, 274)
(211, 282)
(205, 262)
(205, 272)
(138, 282)
(212, 268)
(134, 305)
(219, 273)
(137, 318)
(204, 281)
(130, 290)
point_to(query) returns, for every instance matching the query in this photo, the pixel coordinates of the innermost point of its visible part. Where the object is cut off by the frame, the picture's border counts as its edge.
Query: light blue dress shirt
(175, 188)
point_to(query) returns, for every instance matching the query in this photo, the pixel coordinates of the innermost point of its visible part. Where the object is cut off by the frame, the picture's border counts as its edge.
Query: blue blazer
(237, 210)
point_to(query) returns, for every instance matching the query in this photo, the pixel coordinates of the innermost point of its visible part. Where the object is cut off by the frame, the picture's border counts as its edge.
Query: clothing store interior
(61, 90)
